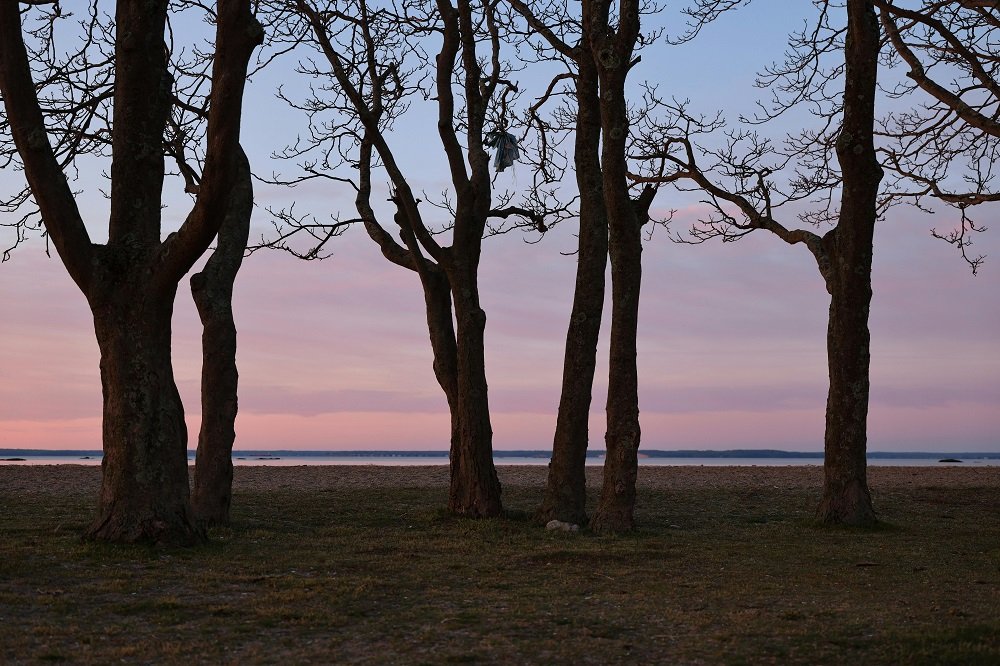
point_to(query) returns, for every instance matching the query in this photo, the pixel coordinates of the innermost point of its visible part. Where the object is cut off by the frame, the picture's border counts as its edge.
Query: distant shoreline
(536, 453)
(531, 458)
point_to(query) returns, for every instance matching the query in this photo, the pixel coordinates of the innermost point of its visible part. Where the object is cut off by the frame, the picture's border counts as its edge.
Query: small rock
(561, 526)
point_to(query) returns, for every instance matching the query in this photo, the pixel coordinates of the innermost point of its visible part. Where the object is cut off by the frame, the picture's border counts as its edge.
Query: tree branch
(49, 187)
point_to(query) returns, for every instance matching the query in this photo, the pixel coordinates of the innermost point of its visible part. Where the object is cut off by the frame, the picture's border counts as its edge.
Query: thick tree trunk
(616, 505)
(144, 489)
(145, 496)
(846, 499)
(212, 290)
(566, 489)
(211, 494)
(460, 369)
(441, 326)
(131, 282)
(475, 488)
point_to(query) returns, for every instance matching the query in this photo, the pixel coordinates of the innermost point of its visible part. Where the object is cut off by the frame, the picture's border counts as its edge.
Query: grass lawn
(381, 575)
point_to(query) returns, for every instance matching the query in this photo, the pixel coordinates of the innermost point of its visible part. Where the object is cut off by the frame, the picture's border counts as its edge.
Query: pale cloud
(70, 433)
(335, 354)
(277, 400)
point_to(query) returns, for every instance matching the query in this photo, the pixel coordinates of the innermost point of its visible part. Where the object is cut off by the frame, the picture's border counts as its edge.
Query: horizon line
(537, 453)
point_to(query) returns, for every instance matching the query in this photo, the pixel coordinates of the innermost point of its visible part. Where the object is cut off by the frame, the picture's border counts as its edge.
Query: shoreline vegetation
(362, 565)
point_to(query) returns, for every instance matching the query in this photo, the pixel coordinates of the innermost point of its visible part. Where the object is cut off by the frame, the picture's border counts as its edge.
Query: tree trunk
(615, 508)
(846, 499)
(144, 488)
(212, 290)
(131, 282)
(460, 369)
(441, 326)
(475, 488)
(617, 503)
(566, 489)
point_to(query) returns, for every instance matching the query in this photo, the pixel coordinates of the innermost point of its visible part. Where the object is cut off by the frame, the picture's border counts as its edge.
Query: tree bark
(846, 498)
(144, 487)
(612, 51)
(617, 502)
(566, 488)
(441, 326)
(451, 292)
(212, 290)
(475, 488)
(460, 370)
(130, 283)
(459, 359)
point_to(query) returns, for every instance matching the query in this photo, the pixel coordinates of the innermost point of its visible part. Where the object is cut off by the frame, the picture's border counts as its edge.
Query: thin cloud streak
(335, 354)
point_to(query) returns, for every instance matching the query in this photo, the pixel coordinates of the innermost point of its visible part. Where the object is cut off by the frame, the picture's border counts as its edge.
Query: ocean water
(397, 458)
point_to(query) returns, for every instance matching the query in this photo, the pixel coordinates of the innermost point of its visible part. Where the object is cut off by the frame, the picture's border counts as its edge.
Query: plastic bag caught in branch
(506, 145)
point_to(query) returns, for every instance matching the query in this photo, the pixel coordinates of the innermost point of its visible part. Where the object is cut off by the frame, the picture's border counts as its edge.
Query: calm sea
(658, 458)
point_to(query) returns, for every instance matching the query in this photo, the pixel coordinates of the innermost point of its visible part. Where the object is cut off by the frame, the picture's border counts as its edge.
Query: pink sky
(334, 354)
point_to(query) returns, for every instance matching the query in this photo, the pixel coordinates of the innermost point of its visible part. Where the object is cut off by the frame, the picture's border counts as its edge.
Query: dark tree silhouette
(613, 40)
(598, 46)
(212, 289)
(131, 281)
(375, 62)
(945, 149)
(565, 491)
(77, 110)
(750, 199)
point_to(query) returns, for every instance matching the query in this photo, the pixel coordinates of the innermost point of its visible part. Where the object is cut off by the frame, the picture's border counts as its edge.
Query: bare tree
(75, 87)
(839, 158)
(614, 36)
(373, 66)
(130, 282)
(76, 105)
(598, 46)
(945, 149)
(212, 289)
(565, 491)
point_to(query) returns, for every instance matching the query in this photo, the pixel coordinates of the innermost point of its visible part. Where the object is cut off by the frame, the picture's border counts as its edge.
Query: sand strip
(71, 479)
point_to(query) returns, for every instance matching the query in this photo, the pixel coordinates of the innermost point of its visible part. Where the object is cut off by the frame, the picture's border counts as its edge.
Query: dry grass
(727, 567)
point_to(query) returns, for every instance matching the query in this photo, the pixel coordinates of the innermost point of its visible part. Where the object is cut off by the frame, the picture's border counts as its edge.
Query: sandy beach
(71, 479)
(354, 564)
